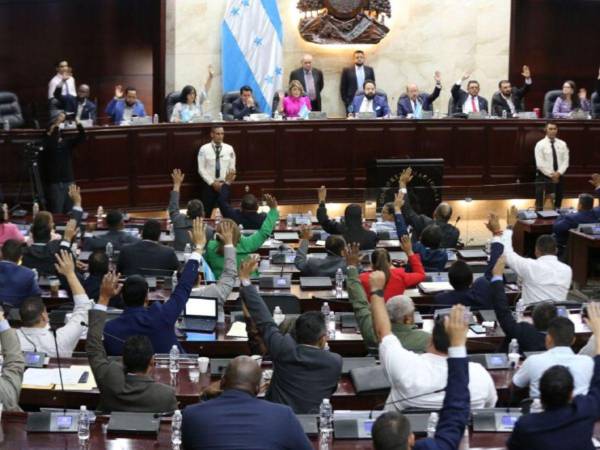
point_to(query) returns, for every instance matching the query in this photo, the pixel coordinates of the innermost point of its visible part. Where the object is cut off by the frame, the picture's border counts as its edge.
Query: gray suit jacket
(120, 391)
(12, 370)
(182, 225)
(317, 267)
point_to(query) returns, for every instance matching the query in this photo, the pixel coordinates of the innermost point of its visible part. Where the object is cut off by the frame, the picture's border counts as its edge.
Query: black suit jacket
(69, 103)
(348, 84)
(147, 258)
(499, 104)
(298, 75)
(460, 96)
(117, 238)
(419, 222)
(240, 110)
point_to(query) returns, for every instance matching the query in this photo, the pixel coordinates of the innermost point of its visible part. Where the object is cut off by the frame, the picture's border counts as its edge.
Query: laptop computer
(473, 253)
(133, 423)
(201, 314)
(285, 235)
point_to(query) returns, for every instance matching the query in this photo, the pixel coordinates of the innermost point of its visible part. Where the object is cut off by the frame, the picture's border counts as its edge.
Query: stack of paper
(238, 329)
(435, 286)
(50, 378)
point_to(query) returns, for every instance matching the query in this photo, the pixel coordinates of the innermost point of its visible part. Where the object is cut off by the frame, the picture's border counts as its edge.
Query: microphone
(457, 220)
(383, 405)
(122, 341)
(54, 327)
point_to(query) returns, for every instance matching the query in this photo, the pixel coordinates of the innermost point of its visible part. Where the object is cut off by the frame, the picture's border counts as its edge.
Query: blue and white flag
(251, 49)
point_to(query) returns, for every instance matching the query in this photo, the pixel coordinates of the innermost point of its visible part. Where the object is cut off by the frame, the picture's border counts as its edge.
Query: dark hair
(245, 88)
(40, 229)
(546, 244)
(562, 331)
(137, 354)
(114, 219)
(391, 431)
(380, 260)
(550, 123)
(187, 90)
(335, 244)
(439, 337)
(98, 263)
(390, 207)
(353, 216)
(215, 128)
(502, 82)
(586, 201)
(472, 82)
(460, 275)
(130, 88)
(310, 327)
(443, 212)
(249, 203)
(31, 310)
(195, 208)
(61, 61)
(151, 230)
(367, 82)
(556, 387)
(542, 315)
(358, 52)
(574, 97)
(12, 250)
(431, 237)
(135, 290)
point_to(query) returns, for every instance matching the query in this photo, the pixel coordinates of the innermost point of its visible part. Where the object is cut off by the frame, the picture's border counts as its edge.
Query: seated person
(189, 106)
(245, 105)
(370, 101)
(351, 227)
(115, 235)
(570, 101)
(157, 321)
(13, 366)
(585, 214)
(182, 223)
(41, 254)
(530, 336)
(16, 282)
(560, 338)
(320, 267)
(411, 374)
(8, 230)
(509, 99)
(125, 105)
(391, 430)
(148, 256)
(127, 386)
(46, 218)
(209, 425)
(387, 224)
(248, 215)
(568, 419)
(35, 334)
(244, 245)
(304, 373)
(401, 310)
(441, 216)
(98, 266)
(295, 103)
(397, 280)
(413, 103)
(80, 105)
(468, 101)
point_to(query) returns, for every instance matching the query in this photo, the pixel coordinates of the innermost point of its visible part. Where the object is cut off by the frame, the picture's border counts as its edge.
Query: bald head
(83, 91)
(443, 212)
(307, 61)
(412, 91)
(242, 374)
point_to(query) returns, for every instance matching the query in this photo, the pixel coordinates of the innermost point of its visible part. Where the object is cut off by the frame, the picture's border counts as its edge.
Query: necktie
(474, 104)
(310, 85)
(217, 161)
(554, 157)
(417, 109)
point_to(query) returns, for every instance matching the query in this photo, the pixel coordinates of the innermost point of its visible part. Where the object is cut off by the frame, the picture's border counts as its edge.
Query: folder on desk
(72, 377)
(435, 286)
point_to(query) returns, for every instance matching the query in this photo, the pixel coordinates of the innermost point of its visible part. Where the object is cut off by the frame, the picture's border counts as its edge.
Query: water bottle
(174, 360)
(83, 426)
(220, 117)
(187, 252)
(289, 221)
(339, 283)
(331, 325)
(325, 310)
(110, 251)
(325, 425)
(174, 280)
(504, 114)
(513, 353)
(520, 310)
(278, 316)
(36, 276)
(464, 443)
(6, 125)
(155, 119)
(432, 424)
(35, 209)
(99, 214)
(536, 406)
(218, 217)
(241, 227)
(176, 429)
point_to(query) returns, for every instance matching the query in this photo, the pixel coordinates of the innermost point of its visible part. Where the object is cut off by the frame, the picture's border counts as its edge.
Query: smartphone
(478, 329)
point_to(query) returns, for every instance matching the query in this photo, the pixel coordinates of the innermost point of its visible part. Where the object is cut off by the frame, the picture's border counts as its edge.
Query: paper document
(435, 286)
(47, 378)
(238, 329)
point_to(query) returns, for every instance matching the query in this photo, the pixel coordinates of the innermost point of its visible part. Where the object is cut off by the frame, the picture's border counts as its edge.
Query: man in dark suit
(586, 213)
(320, 267)
(148, 256)
(16, 282)
(509, 98)
(304, 372)
(414, 103)
(354, 77)
(468, 102)
(237, 419)
(311, 79)
(248, 215)
(245, 104)
(98, 266)
(370, 101)
(567, 421)
(80, 105)
(115, 235)
(126, 386)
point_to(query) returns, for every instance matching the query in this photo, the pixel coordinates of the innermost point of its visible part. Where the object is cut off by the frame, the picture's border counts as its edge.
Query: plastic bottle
(174, 280)
(176, 429)
(110, 251)
(278, 316)
(187, 252)
(36, 276)
(520, 310)
(339, 283)
(155, 119)
(325, 425)
(536, 406)
(325, 310)
(464, 443)
(432, 424)
(6, 125)
(83, 425)
(35, 209)
(289, 221)
(513, 353)
(331, 325)
(174, 360)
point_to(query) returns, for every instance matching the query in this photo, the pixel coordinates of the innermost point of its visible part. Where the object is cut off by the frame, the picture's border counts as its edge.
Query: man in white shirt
(63, 73)
(215, 160)
(468, 101)
(35, 334)
(388, 223)
(560, 337)
(542, 279)
(425, 375)
(551, 163)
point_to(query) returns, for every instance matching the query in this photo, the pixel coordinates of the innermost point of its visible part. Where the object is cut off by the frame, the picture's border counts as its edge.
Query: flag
(251, 49)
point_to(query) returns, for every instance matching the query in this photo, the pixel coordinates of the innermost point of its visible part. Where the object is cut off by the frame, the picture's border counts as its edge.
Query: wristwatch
(378, 292)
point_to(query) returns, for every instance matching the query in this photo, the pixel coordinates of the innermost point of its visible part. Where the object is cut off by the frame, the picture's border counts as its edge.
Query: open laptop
(201, 314)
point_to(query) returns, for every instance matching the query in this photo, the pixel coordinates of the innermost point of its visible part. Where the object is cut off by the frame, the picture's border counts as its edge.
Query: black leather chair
(450, 106)
(170, 100)
(226, 104)
(596, 105)
(289, 304)
(11, 109)
(377, 92)
(549, 100)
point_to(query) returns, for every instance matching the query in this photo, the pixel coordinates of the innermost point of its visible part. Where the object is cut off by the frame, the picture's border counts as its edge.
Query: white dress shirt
(543, 279)
(68, 87)
(360, 76)
(67, 337)
(468, 105)
(413, 374)
(530, 373)
(366, 105)
(543, 156)
(207, 162)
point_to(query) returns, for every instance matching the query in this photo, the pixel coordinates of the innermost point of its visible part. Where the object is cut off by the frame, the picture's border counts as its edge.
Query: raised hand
(247, 267)
(70, 230)
(305, 232)
(211, 72)
(456, 326)
(437, 76)
(271, 201)
(465, 76)
(177, 176)
(65, 265)
(109, 288)
(405, 178)
(493, 223)
(526, 72)
(226, 232)
(198, 234)
(119, 92)
(322, 194)
(406, 245)
(352, 254)
(75, 194)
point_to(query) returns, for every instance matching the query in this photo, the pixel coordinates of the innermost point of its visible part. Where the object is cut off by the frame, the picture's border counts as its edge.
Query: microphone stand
(53, 328)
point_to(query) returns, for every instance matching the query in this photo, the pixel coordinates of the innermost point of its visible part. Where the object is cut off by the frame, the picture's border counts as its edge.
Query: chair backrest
(11, 109)
(450, 106)
(226, 104)
(377, 92)
(596, 105)
(288, 303)
(170, 100)
(549, 100)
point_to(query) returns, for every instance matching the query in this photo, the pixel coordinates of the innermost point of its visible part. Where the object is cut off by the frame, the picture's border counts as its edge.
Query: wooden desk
(525, 233)
(580, 248)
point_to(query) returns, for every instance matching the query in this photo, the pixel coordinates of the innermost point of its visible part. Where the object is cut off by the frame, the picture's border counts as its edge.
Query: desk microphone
(54, 326)
(383, 405)
(112, 336)
(457, 220)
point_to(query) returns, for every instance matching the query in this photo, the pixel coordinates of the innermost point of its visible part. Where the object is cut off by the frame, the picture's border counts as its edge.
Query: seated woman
(295, 102)
(190, 104)
(569, 101)
(8, 230)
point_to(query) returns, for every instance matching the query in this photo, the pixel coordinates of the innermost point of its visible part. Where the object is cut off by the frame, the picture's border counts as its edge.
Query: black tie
(218, 161)
(554, 157)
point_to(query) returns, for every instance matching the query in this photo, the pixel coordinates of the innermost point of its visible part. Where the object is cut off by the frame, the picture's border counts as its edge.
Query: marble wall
(452, 36)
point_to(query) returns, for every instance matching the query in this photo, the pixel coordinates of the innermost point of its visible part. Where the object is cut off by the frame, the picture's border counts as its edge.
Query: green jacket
(247, 244)
(412, 339)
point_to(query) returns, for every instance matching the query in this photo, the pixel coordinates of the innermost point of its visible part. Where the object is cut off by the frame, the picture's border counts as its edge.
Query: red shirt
(400, 280)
